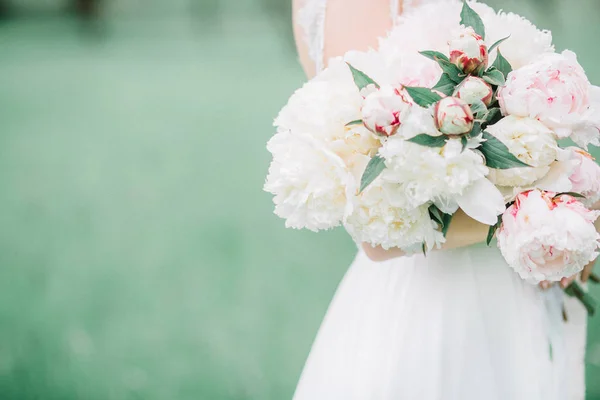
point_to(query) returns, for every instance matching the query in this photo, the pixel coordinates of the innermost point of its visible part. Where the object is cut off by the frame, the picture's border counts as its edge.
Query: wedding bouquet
(458, 108)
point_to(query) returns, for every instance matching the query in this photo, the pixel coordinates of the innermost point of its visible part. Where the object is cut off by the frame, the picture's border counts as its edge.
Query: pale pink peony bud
(468, 51)
(453, 116)
(384, 110)
(473, 89)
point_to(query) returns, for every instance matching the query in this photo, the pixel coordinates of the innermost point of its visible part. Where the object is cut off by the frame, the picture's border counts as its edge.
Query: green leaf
(491, 233)
(355, 122)
(491, 117)
(429, 141)
(479, 109)
(434, 55)
(572, 194)
(476, 130)
(498, 43)
(594, 278)
(441, 218)
(464, 141)
(361, 79)
(453, 72)
(497, 155)
(492, 230)
(502, 64)
(423, 96)
(481, 72)
(494, 76)
(445, 85)
(436, 214)
(468, 17)
(447, 220)
(574, 290)
(374, 168)
(424, 249)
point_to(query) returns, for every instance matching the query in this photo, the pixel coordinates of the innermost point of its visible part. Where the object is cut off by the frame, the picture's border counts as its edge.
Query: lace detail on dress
(394, 10)
(311, 19)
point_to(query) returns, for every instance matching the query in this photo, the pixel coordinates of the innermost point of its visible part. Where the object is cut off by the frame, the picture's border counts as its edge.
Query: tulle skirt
(455, 325)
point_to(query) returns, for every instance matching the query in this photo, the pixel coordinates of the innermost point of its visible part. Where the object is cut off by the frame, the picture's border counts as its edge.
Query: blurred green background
(139, 257)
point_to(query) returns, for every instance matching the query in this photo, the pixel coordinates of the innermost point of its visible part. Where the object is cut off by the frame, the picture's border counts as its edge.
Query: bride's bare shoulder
(348, 25)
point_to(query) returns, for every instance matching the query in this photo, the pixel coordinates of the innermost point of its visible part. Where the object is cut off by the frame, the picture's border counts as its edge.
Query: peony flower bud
(548, 237)
(473, 89)
(384, 110)
(453, 116)
(468, 51)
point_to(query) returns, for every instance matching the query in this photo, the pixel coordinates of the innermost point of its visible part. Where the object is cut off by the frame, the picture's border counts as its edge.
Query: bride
(457, 324)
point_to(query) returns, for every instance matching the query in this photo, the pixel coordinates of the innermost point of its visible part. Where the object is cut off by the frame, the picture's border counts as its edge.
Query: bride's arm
(357, 25)
(463, 232)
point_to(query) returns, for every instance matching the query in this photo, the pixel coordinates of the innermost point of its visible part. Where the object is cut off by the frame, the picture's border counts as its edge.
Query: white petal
(447, 206)
(557, 179)
(483, 202)
(595, 94)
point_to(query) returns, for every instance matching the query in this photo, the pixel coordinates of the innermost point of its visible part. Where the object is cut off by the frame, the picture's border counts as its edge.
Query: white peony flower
(414, 70)
(384, 110)
(380, 217)
(554, 90)
(426, 174)
(311, 184)
(468, 51)
(586, 131)
(548, 238)
(453, 116)
(557, 178)
(473, 89)
(429, 26)
(585, 178)
(526, 42)
(418, 121)
(323, 107)
(530, 142)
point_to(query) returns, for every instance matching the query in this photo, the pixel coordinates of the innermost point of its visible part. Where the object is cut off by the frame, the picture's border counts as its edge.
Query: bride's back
(329, 28)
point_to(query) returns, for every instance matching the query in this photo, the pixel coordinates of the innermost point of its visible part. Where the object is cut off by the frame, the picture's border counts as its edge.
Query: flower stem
(575, 290)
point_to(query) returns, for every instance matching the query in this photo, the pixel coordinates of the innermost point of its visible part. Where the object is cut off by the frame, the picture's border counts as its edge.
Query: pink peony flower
(468, 51)
(555, 90)
(548, 237)
(383, 110)
(453, 116)
(473, 89)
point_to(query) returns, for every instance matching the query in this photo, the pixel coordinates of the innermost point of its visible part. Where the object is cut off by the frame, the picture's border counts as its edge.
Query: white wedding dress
(455, 325)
